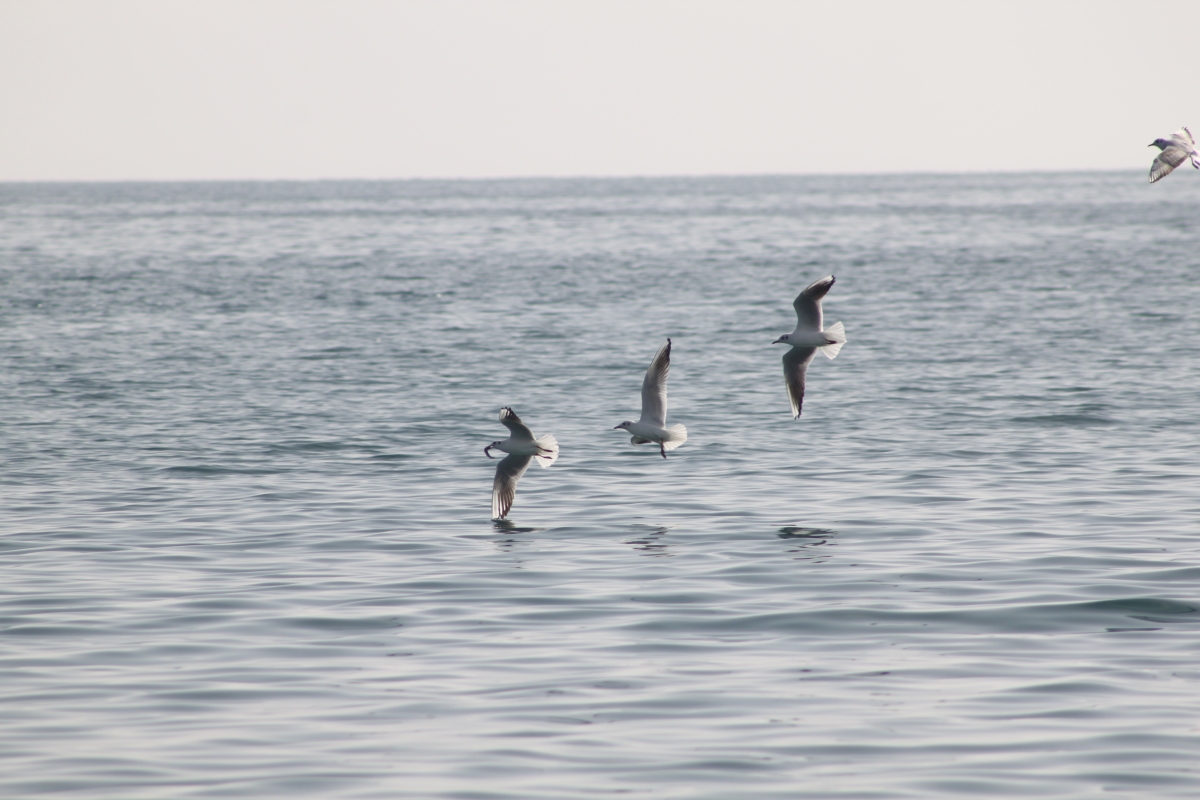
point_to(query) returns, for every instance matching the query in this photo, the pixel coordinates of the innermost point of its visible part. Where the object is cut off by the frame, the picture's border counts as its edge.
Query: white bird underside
(809, 337)
(669, 438)
(522, 447)
(1176, 149)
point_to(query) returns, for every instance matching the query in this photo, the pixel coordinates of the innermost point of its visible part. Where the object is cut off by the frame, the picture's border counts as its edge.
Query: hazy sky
(160, 89)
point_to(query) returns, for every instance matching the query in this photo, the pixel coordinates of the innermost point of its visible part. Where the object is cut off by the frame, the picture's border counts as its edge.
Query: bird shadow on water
(507, 526)
(803, 540)
(504, 528)
(649, 545)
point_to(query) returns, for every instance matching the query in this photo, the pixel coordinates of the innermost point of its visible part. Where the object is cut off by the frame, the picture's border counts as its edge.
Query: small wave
(1065, 420)
(206, 469)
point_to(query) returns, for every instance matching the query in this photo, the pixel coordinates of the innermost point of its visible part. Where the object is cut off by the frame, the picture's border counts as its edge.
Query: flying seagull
(1175, 150)
(521, 446)
(652, 425)
(807, 339)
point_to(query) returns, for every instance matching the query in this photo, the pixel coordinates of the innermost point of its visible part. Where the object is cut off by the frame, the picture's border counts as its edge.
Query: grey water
(244, 506)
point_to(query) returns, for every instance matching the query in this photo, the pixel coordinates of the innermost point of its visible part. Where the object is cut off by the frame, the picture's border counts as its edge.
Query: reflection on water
(649, 545)
(508, 526)
(804, 539)
(796, 532)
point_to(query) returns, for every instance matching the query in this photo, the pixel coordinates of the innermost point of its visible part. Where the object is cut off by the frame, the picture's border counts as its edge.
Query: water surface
(244, 504)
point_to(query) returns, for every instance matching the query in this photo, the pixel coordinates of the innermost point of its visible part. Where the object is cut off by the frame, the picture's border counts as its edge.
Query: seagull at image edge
(1176, 149)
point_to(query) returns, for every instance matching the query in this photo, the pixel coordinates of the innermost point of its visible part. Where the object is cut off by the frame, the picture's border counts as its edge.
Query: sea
(245, 526)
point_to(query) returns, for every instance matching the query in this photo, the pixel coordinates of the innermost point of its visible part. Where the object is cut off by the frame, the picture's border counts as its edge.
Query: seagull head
(623, 426)
(783, 339)
(489, 447)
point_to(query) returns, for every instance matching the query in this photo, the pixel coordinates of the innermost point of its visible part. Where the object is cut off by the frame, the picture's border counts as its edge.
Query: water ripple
(245, 509)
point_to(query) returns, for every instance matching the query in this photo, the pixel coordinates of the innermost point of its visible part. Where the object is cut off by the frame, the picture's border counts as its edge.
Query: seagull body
(1177, 148)
(652, 425)
(808, 338)
(521, 446)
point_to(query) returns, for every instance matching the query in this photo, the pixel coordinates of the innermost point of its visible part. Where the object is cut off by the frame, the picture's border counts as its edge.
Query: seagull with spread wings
(807, 339)
(1176, 149)
(652, 425)
(521, 446)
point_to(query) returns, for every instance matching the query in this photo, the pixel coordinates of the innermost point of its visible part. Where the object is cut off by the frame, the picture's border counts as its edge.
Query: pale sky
(227, 89)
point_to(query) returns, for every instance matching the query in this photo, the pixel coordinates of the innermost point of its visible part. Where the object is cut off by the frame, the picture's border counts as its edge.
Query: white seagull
(1175, 150)
(807, 339)
(521, 445)
(651, 426)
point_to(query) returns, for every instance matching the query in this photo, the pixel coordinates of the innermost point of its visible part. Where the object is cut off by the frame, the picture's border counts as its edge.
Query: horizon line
(580, 176)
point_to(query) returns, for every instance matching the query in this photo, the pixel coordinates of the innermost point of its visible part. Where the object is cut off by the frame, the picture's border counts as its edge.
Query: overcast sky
(168, 89)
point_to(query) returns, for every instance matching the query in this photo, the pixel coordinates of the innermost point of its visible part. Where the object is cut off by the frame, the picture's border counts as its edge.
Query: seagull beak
(485, 451)
(777, 341)
(617, 428)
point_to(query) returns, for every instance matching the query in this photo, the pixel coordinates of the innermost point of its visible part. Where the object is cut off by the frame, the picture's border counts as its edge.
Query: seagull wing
(518, 429)
(808, 304)
(654, 388)
(1184, 137)
(1170, 158)
(504, 488)
(795, 366)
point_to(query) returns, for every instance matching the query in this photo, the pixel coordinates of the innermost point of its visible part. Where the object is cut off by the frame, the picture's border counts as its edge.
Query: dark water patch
(403, 294)
(1064, 420)
(342, 624)
(318, 447)
(209, 470)
(1148, 609)
(1131, 630)
(1037, 618)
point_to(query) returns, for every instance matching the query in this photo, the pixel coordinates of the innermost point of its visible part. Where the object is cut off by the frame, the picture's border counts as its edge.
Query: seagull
(1175, 150)
(807, 339)
(651, 426)
(521, 446)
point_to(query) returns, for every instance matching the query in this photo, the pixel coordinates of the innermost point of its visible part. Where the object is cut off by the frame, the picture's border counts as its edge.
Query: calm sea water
(244, 508)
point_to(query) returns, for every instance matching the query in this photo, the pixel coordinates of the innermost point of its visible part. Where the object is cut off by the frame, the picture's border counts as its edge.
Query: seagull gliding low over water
(651, 426)
(807, 339)
(1176, 149)
(521, 446)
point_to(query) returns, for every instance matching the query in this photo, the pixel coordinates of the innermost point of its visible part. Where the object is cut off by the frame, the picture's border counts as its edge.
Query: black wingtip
(819, 288)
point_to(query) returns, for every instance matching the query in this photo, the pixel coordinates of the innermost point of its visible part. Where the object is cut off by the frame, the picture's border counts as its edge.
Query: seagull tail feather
(548, 444)
(676, 435)
(837, 333)
(547, 447)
